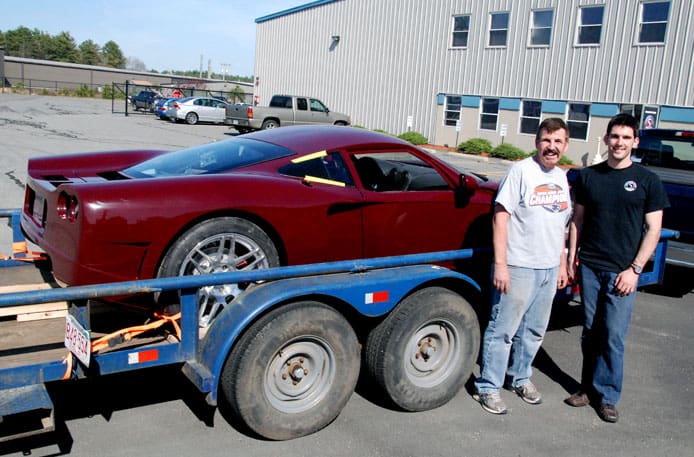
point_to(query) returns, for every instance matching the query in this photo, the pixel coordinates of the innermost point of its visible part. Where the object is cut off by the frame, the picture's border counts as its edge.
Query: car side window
(316, 105)
(301, 104)
(397, 172)
(330, 167)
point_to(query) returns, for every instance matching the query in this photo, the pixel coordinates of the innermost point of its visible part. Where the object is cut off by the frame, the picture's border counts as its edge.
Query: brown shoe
(578, 399)
(608, 413)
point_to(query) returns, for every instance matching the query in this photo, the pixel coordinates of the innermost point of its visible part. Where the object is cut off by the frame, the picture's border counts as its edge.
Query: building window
(653, 22)
(461, 29)
(530, 116)
(589, 25)
(498, 29)
(490, 113)
(452, 112)
(541, 30)
(579, 115)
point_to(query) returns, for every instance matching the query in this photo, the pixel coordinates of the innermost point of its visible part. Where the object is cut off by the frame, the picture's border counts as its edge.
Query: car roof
(666, 132)
(311, 138)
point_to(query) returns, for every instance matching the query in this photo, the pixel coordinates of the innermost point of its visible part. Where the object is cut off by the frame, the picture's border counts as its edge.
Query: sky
(167, 35)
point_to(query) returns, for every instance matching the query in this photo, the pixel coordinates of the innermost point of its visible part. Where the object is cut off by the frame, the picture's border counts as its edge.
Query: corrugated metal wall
(393, 57)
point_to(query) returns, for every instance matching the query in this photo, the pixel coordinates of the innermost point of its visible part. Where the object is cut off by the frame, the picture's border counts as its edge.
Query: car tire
(292, 371)
(423, 352)
(269, 124)
(191, 118)
(218, 245)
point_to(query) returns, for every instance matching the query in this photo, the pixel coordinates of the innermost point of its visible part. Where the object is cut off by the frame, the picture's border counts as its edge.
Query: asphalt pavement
(156, 412)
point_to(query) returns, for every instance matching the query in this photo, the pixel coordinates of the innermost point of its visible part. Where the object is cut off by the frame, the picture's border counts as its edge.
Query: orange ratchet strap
(21, 252)
(126, 334)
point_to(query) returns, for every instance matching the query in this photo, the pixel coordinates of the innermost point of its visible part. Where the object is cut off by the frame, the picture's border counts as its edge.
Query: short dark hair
(551, 124)
(625, 120)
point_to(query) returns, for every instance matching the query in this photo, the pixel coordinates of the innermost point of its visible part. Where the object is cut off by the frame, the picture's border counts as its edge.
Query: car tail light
(249, 113)
(68, 207)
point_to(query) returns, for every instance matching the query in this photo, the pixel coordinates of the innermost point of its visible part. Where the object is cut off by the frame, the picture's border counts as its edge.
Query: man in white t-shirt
(531, 213)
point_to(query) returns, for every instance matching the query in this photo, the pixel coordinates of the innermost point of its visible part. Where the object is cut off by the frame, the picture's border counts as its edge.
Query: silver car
(197, 109)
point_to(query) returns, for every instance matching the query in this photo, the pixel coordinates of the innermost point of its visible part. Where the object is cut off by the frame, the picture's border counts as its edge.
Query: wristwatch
(637, 268)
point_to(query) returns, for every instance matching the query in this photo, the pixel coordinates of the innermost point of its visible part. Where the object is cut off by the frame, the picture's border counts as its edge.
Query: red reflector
(376, 297)
(143, 356)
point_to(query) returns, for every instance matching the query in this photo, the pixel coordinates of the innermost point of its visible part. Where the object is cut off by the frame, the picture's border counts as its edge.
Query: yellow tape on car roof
(315, 155)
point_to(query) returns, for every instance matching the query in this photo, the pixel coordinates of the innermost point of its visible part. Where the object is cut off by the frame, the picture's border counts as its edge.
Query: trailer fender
(371, 293)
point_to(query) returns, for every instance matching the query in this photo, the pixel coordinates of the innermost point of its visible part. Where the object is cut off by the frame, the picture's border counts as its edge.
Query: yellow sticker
(315, 155)
(323, 181)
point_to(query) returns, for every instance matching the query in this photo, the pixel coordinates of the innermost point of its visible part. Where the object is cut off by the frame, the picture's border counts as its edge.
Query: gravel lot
(111, 417)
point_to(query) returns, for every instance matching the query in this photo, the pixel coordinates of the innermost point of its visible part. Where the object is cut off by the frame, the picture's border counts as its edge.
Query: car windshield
(668, 149)
(209, 158)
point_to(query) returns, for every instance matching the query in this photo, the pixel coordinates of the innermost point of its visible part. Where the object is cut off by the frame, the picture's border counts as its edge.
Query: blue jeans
(516, 328)
(607, 317)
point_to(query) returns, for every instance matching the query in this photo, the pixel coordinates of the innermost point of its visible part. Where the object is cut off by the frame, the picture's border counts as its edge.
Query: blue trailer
(284, 356)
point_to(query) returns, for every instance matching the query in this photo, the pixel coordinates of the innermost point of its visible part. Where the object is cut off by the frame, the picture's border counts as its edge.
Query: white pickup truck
(284, 110)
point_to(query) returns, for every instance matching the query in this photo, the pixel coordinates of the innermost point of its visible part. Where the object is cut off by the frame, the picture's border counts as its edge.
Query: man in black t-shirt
(615, 228)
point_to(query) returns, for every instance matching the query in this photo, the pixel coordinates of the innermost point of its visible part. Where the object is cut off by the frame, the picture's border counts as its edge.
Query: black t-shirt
(616, 202)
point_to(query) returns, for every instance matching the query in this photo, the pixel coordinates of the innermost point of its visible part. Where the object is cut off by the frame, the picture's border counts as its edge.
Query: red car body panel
(125, 226)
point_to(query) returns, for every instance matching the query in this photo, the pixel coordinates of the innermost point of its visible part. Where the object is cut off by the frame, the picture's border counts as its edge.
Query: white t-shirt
(539, 203)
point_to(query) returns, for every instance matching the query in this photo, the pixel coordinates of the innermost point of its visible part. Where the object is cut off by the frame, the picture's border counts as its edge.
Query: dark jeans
(607, 317)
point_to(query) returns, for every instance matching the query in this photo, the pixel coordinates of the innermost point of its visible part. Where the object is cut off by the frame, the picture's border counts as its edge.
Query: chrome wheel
(222, 253)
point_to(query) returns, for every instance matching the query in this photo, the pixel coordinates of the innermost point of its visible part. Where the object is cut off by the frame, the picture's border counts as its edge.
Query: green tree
(88, 53)
(2, 39)
(19, 42)
(61, 48)
(112, 56)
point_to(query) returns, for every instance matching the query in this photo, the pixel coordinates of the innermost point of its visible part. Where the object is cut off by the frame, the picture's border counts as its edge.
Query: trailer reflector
(376, 297)
(143, 356)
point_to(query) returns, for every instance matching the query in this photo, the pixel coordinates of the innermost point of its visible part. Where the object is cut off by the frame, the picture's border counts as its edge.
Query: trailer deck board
(31, 342)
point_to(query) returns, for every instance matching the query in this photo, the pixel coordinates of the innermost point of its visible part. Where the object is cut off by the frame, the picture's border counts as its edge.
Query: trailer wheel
(292, 372)
(423, 352)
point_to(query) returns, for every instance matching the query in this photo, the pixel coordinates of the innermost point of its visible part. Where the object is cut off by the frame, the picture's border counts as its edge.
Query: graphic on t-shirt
(630, 186)
(551, 197)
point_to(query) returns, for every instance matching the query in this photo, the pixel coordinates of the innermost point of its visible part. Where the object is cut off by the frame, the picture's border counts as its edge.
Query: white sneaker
(491, 402)
(529, 393)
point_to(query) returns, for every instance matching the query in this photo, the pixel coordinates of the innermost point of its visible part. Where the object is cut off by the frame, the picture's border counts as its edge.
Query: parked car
(144, 100)
(284, 110)
(286, 196)
(198, 109)
(670, 154)
(162, 107)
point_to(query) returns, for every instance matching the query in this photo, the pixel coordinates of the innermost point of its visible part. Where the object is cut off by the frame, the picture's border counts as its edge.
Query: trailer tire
(292, 371)
(424, 351)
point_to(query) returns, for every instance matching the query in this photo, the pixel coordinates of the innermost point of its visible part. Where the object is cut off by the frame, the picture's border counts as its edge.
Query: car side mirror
(467, 183)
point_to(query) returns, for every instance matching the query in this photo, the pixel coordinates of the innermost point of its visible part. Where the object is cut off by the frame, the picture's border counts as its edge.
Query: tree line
(36, 44)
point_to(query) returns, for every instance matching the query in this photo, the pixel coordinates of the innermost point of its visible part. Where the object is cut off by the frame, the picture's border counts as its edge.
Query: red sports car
(286, 196)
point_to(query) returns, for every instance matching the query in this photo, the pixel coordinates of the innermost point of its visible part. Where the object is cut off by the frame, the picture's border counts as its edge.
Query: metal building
(456, 69)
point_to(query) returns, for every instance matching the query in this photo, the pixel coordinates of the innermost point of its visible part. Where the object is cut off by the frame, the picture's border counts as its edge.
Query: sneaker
(529, 393)
(491, 402)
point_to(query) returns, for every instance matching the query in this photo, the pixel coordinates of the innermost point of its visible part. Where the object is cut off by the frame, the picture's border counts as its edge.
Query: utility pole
(225, 69)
